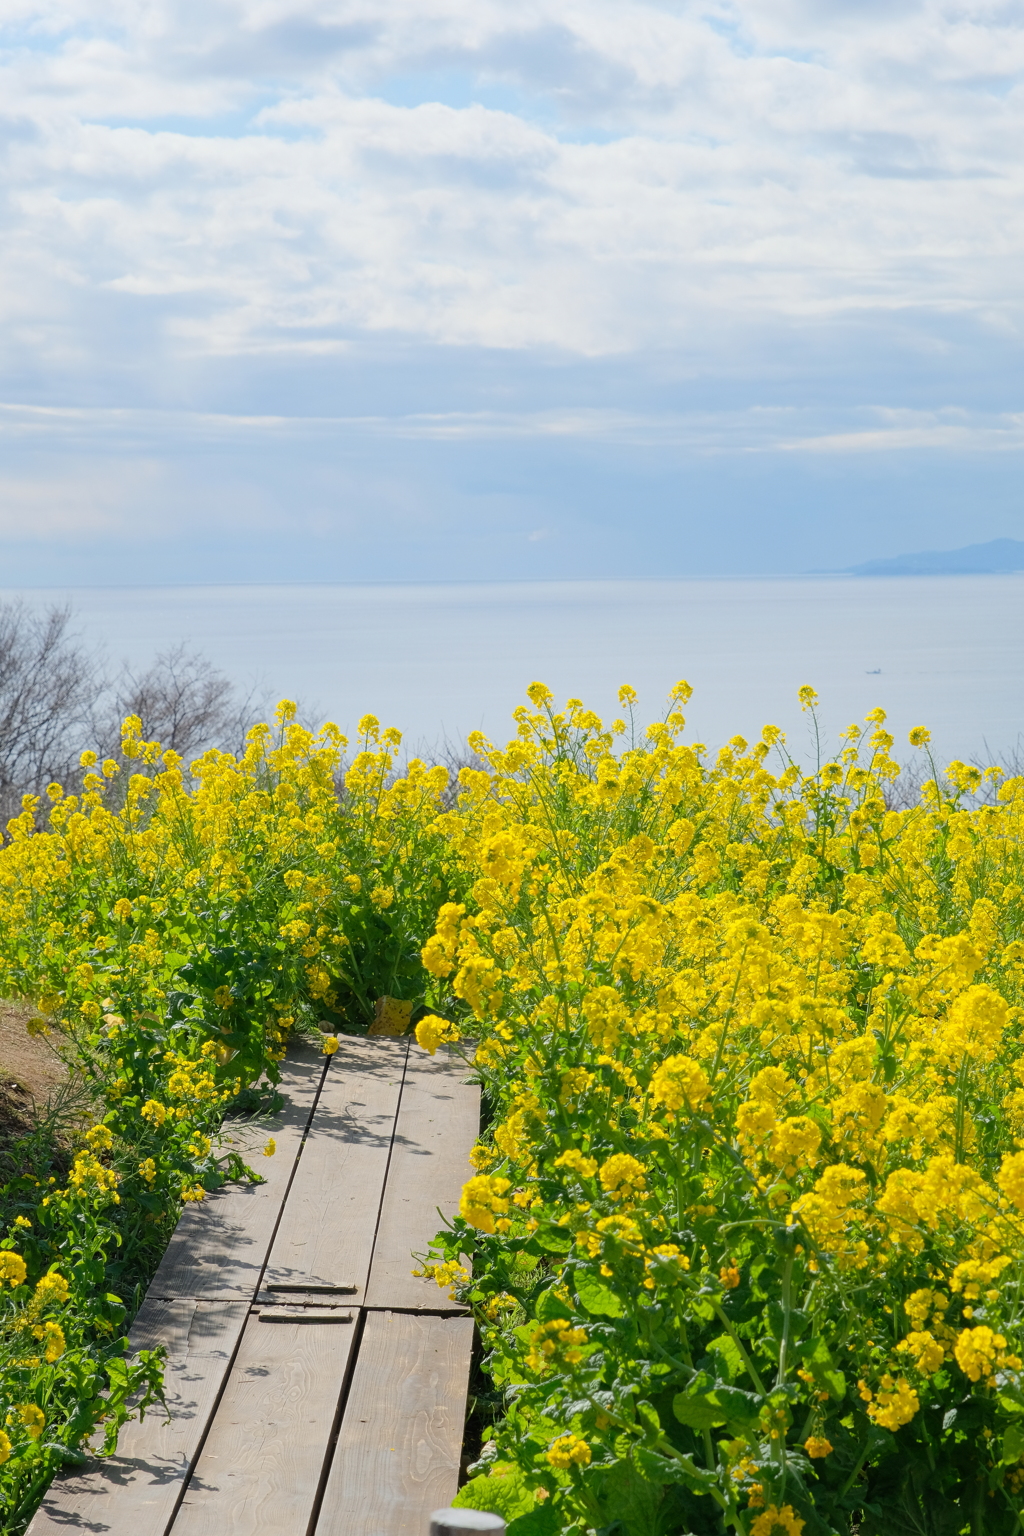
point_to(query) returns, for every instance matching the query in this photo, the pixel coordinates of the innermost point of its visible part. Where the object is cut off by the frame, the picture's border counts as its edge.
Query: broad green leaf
(501, 1491)
(554, 1239)
(814, 1353)
(550, 1307)
(697, 1412)
(677, 1469)
(1013, 1444)
(542, 1520)
(598, 1299)
(738, 1407)
(725, 1348)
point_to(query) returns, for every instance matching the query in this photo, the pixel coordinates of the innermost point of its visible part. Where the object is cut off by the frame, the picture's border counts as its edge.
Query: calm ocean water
(438, 661)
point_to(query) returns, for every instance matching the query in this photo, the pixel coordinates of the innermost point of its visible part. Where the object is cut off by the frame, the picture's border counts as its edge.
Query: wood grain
(364, 1175)
(438, 1122)
(135, 1493)
(397, 1457)
(220, 1244)
(260, 1467)
(329, 1222)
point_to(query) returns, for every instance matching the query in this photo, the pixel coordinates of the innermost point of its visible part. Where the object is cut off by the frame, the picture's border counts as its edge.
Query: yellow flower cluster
(432, 1031)
(482, 1198)
(172, 924)
(777, 1522)
(569, 1451)
(555, 1342)
(747, 1014)
(13, 1268)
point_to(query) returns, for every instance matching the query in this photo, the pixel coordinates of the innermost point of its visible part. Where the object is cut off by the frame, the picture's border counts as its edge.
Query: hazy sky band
(553, 286)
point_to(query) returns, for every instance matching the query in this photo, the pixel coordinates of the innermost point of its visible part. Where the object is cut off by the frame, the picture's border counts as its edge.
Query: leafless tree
(49, 683)
(56, 699)
(184, 702)
(905, 792)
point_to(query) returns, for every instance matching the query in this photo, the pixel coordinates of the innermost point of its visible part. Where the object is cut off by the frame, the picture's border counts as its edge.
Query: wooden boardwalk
(316, 1387)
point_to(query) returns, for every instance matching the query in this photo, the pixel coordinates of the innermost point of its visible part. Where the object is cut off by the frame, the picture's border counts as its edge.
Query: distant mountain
(999, 555)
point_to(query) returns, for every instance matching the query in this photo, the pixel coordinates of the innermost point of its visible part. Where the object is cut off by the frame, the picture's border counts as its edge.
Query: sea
(441, 660)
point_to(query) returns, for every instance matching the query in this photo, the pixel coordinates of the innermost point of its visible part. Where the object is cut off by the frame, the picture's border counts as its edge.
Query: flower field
(745, 1228)
(172, 933)
(746, 1231)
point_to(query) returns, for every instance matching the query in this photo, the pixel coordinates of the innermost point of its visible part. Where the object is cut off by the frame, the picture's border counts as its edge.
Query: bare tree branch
(55, 700)
(49, 683)
(184, 702)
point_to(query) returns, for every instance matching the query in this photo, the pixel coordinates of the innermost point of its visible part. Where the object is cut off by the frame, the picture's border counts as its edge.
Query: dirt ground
(30, 1070)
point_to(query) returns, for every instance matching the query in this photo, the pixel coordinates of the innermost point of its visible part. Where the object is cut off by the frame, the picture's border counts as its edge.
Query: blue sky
(346, 290)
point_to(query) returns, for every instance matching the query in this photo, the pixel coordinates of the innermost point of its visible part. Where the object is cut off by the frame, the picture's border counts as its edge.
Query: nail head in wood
(465, 1522)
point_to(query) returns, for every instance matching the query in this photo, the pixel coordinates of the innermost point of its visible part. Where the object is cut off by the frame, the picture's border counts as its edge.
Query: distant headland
(997, 557)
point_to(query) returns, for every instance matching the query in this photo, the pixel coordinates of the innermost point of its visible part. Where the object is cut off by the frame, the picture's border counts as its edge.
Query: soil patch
(29, 1065)
(30, 1072)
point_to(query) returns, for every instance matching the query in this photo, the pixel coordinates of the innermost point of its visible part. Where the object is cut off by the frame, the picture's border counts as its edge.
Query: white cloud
(549, 273)
(761, 430)
(604, 176)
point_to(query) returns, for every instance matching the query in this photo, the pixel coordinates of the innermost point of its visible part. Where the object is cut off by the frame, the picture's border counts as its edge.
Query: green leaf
(550, 1307)
(542, 1520)
(554, 1239)
(631, 1499)
(727, 1351)
(677, 1469)
(739, 1408)
(1011, 1399)
(697, 1412)
(65, 1453)
(500, 1492)
(1013, 1444)
(599, 1299)
(814, 1354)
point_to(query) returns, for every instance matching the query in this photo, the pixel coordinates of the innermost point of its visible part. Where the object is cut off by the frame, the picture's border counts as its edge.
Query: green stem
(787, 1308)
(856, 1470)
(1013, 1508)
(734, 1336)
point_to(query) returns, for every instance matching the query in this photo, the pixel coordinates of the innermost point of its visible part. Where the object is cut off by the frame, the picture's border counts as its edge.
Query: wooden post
(465, 1522)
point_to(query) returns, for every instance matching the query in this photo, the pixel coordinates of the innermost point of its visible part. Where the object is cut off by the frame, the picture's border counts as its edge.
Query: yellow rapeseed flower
(432, 1031)
(33, 1418)
(12, 1268)
(568, 1451)
(777, 1522)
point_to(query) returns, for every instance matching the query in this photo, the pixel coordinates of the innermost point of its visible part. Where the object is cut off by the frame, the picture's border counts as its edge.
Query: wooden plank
(135, 1493)
(438, 1123)
(397, 1457)
(260, 1467)
(329, 1221)
(220, 1244)
(305, 1315)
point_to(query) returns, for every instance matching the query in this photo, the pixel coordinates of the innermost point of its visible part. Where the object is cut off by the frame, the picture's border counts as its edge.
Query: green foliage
(172, 933)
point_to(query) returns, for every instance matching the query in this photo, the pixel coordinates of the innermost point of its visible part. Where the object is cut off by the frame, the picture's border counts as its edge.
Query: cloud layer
(667, 223)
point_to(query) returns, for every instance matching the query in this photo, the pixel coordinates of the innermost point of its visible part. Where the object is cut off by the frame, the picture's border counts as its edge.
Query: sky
(398, 290)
